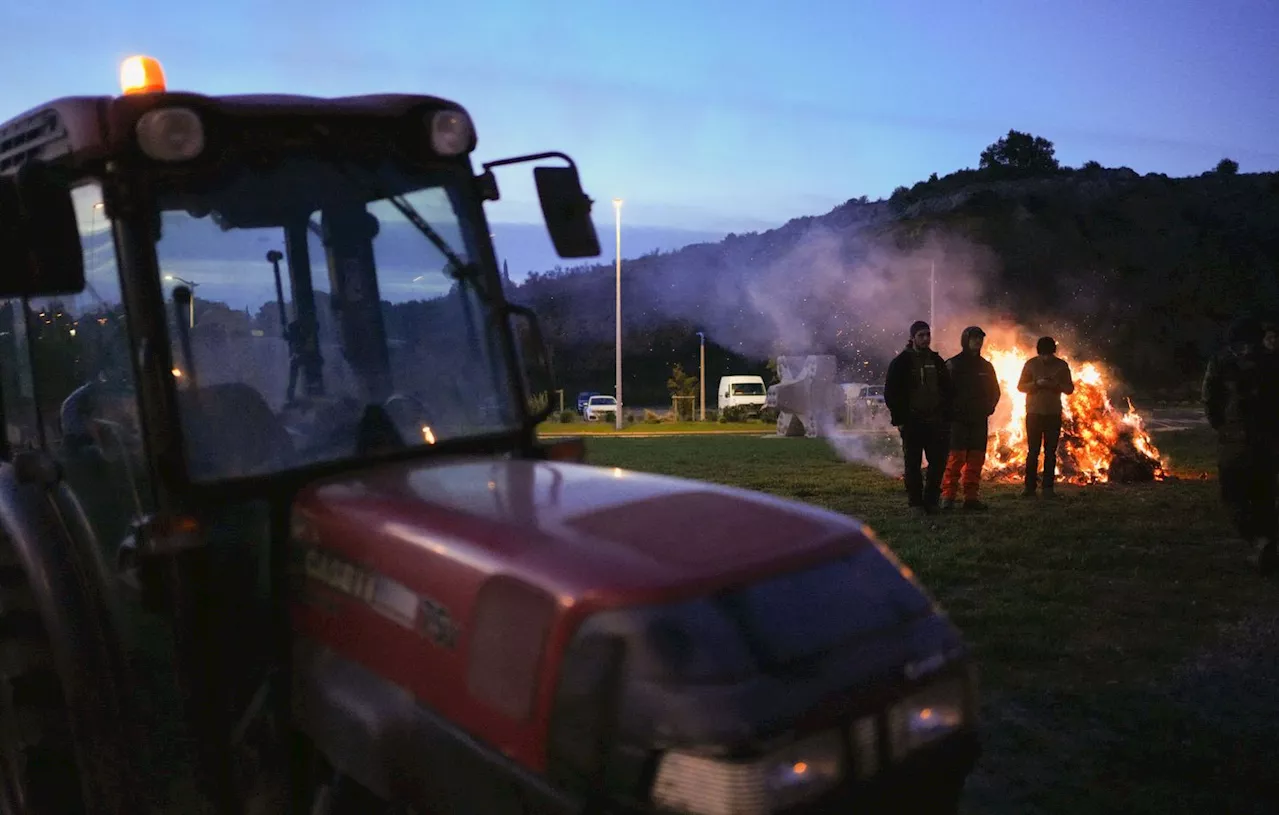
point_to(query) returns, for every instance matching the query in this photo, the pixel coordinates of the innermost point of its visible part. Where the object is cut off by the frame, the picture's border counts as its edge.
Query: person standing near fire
(1240, 401)
(919, 396)
(1045, 379)
(977, 392)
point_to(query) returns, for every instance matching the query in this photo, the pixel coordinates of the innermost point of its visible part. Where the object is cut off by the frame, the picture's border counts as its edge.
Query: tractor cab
(208, 302)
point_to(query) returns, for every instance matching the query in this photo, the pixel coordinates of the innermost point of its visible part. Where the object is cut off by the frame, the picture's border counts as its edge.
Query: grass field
(1127, 649)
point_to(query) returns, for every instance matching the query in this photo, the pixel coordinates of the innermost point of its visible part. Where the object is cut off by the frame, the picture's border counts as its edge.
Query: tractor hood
(571, 529)
(510, 585)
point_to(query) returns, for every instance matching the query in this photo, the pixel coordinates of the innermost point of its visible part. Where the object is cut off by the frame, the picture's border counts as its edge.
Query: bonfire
(1099, 442)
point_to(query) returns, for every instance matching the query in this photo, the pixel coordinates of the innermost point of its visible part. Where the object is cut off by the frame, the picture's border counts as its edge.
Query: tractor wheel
(38, 771)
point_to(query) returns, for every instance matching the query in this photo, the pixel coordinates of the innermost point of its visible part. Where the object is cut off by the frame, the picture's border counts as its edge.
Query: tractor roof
(77, 126)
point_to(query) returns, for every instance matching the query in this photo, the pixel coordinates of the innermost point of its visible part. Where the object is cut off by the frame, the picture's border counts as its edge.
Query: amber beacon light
(141, 75)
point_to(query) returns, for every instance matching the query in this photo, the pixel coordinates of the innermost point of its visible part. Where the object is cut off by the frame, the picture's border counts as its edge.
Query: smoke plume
(864, 447)
(854, 293)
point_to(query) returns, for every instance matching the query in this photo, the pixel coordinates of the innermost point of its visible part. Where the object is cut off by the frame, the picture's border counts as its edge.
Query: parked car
(582, 401)
(869, 405)
(598, 406)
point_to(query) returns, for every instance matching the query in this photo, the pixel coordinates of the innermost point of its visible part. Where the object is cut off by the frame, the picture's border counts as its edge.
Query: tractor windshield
(321, 311)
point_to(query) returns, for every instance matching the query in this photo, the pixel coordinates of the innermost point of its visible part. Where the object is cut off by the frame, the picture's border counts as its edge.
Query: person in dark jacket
(1267, 558)
(1270, 372)
(918, 394)
(977, 392)
(1240, 402)
(1045, 378)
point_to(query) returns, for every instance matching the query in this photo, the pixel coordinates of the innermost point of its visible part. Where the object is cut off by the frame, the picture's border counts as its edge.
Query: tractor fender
(44, 533)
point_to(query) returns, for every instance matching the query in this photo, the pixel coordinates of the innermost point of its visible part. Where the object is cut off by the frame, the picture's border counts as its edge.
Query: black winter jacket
(1239, 394)
(977, 390)
(907, 374)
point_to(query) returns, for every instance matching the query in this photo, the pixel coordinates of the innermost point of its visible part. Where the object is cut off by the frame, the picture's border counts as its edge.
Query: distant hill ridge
(1143, 269)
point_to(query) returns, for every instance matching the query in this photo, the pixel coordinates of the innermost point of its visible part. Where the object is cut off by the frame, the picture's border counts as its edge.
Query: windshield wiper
(458, 269)
(411, 215)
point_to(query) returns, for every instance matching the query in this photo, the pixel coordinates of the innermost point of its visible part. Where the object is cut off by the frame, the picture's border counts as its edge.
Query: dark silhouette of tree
(1227, 167)
(1019, 151)
(681, 383)
(772, 366)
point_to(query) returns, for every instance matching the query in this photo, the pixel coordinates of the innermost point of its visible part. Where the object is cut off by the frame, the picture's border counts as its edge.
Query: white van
(735, 391)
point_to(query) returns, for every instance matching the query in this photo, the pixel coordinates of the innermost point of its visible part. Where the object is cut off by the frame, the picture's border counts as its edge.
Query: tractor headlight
(451, 132)
(927, 715)
(170, 134)
(700, 785)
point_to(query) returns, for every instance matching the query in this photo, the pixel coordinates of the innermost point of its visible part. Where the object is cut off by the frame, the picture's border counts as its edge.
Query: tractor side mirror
(534, 360)
(40, 251)
(567, 211)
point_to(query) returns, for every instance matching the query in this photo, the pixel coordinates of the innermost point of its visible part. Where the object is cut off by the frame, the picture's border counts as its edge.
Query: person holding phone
(1045, 379)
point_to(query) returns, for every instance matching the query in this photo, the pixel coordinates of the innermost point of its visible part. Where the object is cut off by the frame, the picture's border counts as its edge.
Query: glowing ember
(1099, 443)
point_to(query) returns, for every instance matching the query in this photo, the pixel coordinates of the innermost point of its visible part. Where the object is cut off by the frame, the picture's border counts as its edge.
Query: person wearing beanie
(977, 392)
(919, 397)
(1045, 379)
(1240, 402)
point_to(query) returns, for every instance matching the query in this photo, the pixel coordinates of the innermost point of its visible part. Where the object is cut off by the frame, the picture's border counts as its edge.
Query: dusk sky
(720, 116)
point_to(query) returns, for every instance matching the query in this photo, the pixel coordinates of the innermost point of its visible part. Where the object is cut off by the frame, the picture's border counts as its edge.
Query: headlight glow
(926, 716)
(708, 786)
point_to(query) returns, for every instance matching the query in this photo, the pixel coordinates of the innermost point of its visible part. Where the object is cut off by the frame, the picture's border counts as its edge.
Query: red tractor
(277, 532)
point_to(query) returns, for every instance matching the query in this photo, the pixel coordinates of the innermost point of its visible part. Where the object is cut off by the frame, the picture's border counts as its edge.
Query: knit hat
(917, 326)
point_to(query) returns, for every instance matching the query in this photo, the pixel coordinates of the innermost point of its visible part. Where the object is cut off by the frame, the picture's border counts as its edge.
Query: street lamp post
(191, 286)
(702, 377)
(617, 362)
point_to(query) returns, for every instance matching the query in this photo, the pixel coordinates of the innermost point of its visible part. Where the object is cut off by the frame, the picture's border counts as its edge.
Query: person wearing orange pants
(977, 392)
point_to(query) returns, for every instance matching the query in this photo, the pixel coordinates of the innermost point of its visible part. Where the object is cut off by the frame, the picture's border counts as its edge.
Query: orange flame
(1099, 443)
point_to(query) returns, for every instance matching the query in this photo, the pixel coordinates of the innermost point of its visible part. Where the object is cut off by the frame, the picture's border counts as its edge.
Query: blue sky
(720, 116)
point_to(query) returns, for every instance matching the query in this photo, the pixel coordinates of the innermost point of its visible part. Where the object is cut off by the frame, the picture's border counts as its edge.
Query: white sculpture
(807, 395)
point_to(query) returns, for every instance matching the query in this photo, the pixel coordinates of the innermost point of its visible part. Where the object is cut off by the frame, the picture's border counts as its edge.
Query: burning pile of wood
(1099, 443)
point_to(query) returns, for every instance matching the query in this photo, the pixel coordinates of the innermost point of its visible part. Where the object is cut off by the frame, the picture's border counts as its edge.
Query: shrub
(736, 413)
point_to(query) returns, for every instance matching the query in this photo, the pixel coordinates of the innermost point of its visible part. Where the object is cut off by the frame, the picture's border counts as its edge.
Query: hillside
(1139, 271)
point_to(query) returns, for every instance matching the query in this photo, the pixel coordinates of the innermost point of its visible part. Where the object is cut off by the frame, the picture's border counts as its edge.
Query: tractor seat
(230, 431)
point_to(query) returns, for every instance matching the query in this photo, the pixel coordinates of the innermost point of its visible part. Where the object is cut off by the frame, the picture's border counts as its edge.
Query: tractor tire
(38, 771)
